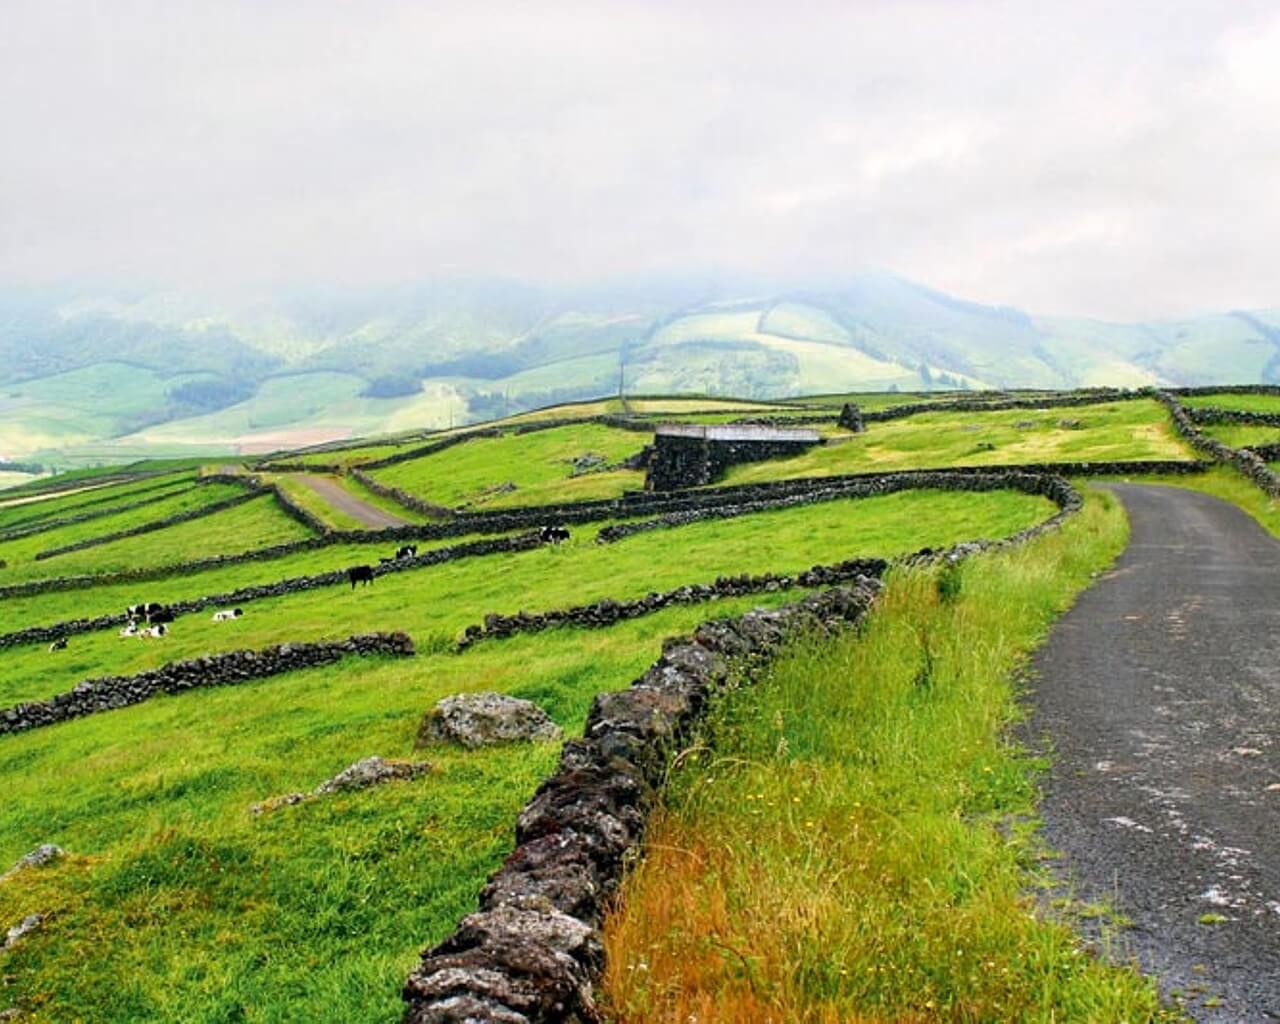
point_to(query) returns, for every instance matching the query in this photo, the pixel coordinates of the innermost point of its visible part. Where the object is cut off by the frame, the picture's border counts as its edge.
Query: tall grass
(851, 841)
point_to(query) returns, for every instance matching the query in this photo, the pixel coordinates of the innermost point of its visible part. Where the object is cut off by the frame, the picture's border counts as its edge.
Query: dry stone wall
(293, 585)
(533, 950)
(44, 523)
(1247, 462)
(105, 693)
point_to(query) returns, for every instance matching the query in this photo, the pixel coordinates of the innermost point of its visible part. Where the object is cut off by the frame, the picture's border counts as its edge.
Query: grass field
(854, 808)
(1108, 432)
(540, 465)
(864, 800)
(1243, 436)
(1227, 400)
(209, 907)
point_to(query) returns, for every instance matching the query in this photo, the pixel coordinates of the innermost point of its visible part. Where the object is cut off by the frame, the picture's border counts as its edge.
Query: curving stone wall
(604, 613)
(1052, 400)
(1244, 460)
(533, 950)
(400, 497)
(105, 693)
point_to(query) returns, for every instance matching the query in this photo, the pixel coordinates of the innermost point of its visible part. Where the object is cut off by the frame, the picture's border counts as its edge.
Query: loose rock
(481, 719)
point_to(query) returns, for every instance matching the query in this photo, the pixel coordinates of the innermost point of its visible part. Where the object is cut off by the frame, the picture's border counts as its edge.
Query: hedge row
(534, 949)
(105, 693)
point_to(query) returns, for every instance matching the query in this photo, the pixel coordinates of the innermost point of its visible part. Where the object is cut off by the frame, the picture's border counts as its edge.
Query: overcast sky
(1119, 160)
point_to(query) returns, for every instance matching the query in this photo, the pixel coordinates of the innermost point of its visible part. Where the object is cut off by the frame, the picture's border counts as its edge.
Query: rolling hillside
(88, 378)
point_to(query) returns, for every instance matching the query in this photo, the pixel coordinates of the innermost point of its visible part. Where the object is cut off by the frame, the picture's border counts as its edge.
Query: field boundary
(106, 693)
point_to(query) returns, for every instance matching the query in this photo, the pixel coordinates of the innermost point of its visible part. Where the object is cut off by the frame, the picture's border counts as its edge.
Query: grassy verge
(846, 847)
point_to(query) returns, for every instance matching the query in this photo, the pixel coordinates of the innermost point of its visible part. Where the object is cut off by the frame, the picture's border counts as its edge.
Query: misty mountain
(78, 366)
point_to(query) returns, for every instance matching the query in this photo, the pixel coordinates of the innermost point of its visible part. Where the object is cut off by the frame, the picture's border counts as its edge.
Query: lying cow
(360, 574)
(553, 534)
(58, 645)
(152, 632)
(130, 630)
(227, 614)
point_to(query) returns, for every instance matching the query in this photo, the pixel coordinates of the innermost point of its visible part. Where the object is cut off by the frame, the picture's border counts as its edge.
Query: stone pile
(370, 771)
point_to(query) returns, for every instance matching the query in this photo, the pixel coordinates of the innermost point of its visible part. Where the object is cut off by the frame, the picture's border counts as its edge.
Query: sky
(1116, 160)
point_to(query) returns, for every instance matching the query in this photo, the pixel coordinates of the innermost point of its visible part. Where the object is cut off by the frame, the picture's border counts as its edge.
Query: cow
(58, 645)
(153, 631)
(408, 551)
(147, 611)
(158, 613)
(129, 630)
(360, 574)
(553, 534)
(226, 614)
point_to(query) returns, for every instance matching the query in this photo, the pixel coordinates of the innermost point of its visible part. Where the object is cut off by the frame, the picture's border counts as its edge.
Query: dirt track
(1159, 693)
(344, 501)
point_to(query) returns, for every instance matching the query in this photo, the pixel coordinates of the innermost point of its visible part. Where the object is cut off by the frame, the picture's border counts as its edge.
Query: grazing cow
(360, 574)
(553, 534)
(58, 645)
(408, 551)
(153, 631)
(226, 614)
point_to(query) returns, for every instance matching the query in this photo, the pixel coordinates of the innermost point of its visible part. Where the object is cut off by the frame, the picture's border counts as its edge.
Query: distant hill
(84, 373)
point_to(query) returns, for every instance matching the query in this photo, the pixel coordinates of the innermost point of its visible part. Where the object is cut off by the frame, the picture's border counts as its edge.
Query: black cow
(157, 613)
(553, 534)
(360, 574)
(408, 551)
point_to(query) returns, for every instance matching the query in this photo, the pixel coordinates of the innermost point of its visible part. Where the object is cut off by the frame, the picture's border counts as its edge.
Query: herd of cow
(365, 573)
(151, 620)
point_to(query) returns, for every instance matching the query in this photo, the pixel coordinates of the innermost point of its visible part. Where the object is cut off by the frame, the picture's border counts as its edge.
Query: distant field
(539, 464)
(78, 501)
(1243, 436)
(1227, 400)
(1110, 432)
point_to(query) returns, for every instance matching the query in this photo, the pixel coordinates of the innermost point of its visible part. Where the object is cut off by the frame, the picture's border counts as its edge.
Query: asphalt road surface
(1159, 693)
(344, 501)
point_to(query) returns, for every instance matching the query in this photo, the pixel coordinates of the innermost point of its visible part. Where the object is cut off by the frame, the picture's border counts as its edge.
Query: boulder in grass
(481, 719)
(22, 929)
(372, 771)
(46, 853)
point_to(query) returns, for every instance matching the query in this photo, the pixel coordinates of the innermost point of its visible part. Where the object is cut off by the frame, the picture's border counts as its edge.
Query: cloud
(1110, 160)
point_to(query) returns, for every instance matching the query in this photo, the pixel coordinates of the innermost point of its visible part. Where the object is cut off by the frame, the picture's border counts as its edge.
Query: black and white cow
(553, 534)
(58, 645)
(408, 551)
(227, 614)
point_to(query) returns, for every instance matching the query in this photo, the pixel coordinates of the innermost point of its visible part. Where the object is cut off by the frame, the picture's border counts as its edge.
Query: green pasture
(436, 603)
(256, 523)
(1108, 432)
(91, 499)
(1236, 402)
(1243, 435)
(20, 552)
(865, 799)
(176, 903)
(538, 463)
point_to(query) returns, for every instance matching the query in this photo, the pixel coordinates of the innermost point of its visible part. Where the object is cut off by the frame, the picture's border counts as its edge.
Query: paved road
(1160, 694)
(344, 501)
